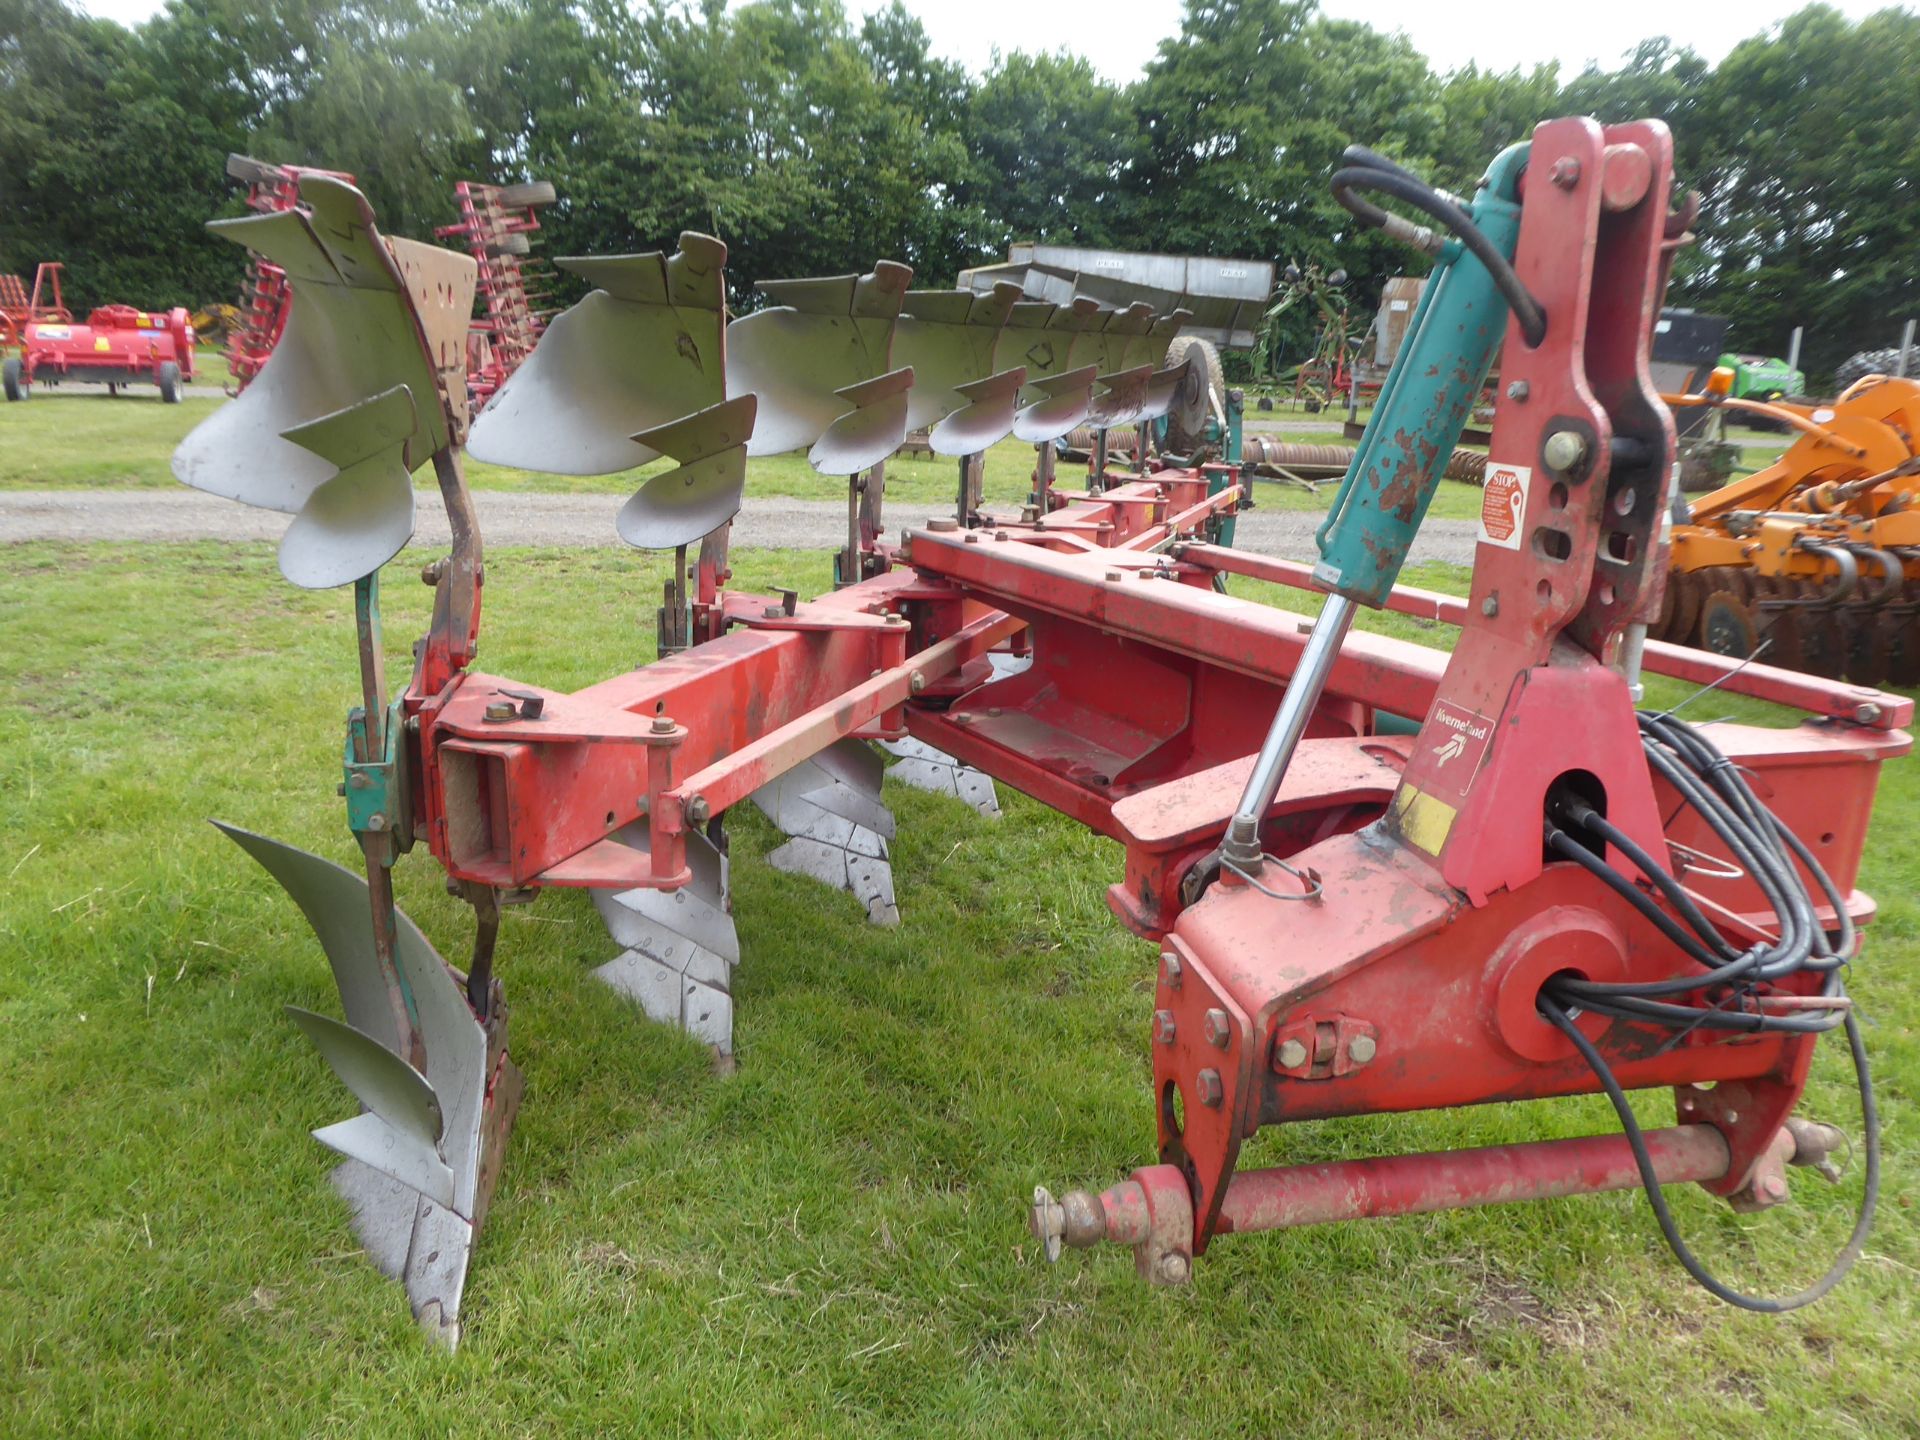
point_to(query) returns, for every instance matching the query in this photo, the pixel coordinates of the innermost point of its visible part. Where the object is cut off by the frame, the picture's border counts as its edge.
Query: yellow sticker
(1422, 819)
(101, 344)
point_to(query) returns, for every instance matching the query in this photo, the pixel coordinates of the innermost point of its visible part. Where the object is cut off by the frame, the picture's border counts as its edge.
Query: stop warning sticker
(1502, 503)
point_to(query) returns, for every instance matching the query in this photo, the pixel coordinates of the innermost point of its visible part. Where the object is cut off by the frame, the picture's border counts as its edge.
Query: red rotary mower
(117, 346)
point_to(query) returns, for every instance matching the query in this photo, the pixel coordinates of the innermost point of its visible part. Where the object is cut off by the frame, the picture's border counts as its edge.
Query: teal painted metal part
(379, 801)
(1424, 404)
(1230, 454)
(376, 790)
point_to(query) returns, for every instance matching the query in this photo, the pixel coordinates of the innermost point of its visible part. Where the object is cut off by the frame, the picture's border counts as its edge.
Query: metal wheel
(1865, 632)
(1193, 405)
(1727, 626)
(1690, 592)
(1788, 636)
(1824, 644)
(1902, 626)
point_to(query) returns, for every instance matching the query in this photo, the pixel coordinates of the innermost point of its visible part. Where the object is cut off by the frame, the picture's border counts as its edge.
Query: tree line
(814, 145)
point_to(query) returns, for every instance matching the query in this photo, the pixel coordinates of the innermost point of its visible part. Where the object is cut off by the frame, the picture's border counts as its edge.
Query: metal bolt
(1774, 1187)
(941, 524)
(1564, 450)
(1116, 575)
(1565, 172)
(1732, 1117)
(1867, 713)
(1361, 1049)
(1170, 967)
(698, 811)
(1212, 1092)
(376, 821)
(1490, 606)
(430, 572)
(896, 619)
(917, 683)
(498, 710)
(1173, 1268)
(1217, 1029)
(1163, 1026)
(1292, 1054)
(973, 537)
(663, 725)
(1519, 390)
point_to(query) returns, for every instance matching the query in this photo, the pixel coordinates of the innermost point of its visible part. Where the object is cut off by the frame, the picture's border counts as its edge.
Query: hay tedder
(1377, 877)
(1814, 561)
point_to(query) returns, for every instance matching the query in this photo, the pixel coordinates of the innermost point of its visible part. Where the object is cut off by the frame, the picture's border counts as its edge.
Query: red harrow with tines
(264, 298)
(495, 227)
(1378, 877)
(20, 307)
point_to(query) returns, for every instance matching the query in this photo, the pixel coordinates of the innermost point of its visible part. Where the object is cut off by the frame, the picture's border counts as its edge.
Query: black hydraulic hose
(1588, 818)
(1716, 789)
(1650, 1180)
(1412, 190)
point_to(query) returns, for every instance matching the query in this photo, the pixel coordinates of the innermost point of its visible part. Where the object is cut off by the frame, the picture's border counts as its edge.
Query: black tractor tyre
(1865, 362)
(1204, 382)
(528, 195)
(14, 375)
(169, 382)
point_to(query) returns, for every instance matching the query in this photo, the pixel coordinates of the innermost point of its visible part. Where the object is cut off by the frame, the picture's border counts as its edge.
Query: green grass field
(78, 440)
(830, 1241)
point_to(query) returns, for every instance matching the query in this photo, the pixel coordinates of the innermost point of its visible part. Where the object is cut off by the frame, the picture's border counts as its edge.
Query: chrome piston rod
(1242, 847)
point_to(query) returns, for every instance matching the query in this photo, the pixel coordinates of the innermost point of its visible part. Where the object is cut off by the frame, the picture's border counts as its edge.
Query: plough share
(1378, 877)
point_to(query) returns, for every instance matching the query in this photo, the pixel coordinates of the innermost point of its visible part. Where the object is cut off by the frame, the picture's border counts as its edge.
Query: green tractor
(1771, 378)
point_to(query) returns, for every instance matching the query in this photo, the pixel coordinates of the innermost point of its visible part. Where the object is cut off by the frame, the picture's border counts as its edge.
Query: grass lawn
(80, 440)
(830, 1241)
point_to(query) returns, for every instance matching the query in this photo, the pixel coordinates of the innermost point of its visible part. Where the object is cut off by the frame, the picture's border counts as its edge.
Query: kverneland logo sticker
(1502, 504)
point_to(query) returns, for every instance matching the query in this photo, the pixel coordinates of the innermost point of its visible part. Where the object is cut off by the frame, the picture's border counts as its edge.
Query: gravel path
(513, 518)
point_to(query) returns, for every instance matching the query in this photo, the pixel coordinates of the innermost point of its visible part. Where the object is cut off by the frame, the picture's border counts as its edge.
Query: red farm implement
(264, 293)
(1379, 877)
(495, 226)
(118, 345)
(20, 308)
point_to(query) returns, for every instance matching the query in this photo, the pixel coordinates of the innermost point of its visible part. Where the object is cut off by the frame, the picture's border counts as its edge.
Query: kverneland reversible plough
(1379, 877)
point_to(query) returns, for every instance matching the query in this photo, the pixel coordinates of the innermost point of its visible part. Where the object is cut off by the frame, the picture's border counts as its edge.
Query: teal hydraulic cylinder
(1424, 404)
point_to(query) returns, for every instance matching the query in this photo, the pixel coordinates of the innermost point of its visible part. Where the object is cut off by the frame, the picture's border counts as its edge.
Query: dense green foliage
(813, 143)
